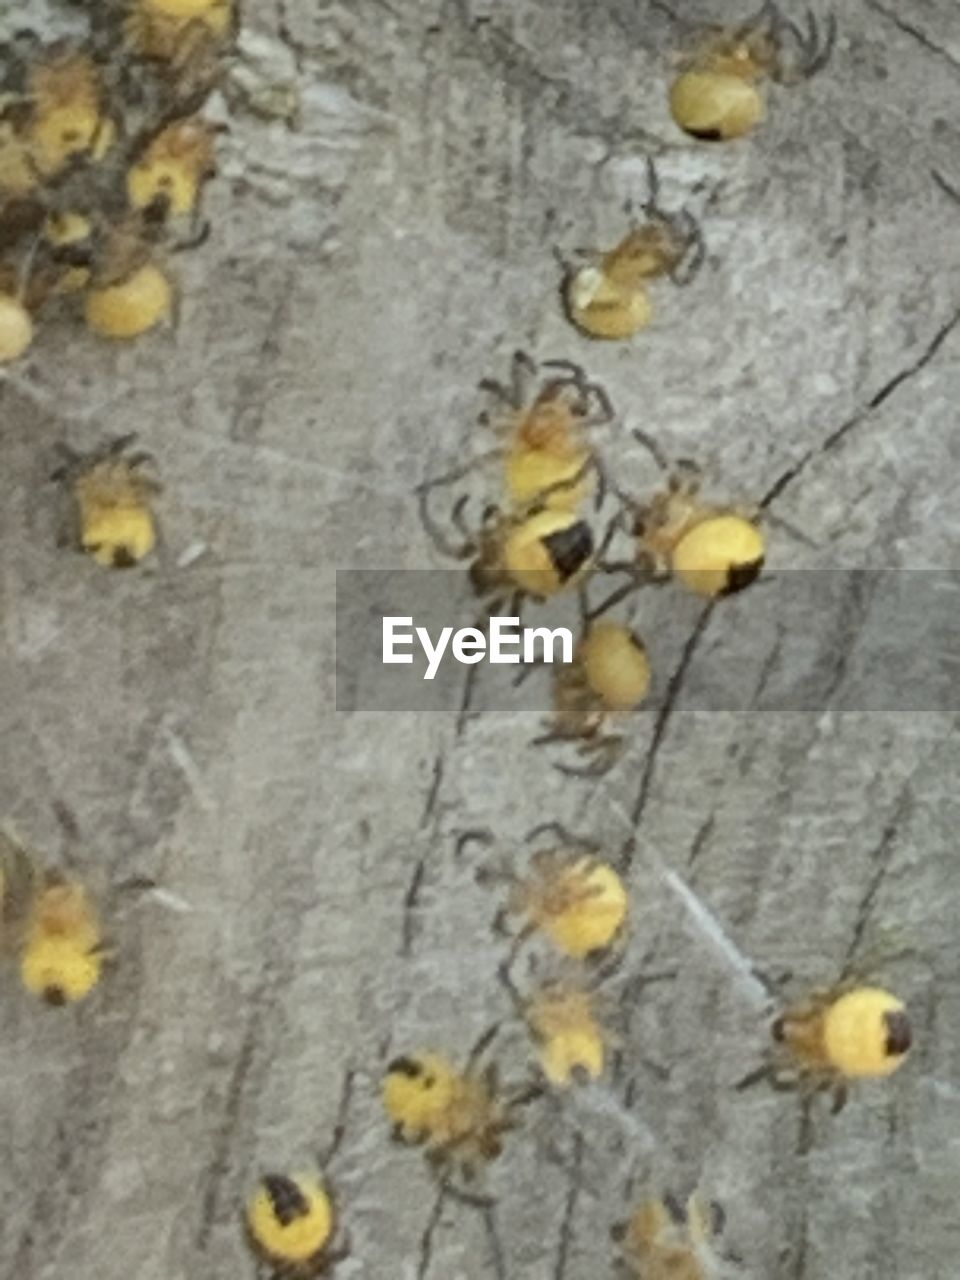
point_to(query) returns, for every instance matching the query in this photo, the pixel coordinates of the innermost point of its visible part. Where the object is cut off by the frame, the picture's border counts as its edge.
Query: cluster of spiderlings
(104, 153)
(531, 544)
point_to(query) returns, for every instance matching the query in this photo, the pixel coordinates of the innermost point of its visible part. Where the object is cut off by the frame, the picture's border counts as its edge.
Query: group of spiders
(572, 905)
(104, 155)
(539, 541)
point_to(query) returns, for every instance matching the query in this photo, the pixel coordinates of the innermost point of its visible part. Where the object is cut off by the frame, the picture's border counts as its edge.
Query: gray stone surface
(366, 269)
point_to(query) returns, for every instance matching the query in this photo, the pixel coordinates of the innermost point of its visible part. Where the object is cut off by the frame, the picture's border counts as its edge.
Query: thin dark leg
(340, 1127)
(653, 448)
(481, 1046)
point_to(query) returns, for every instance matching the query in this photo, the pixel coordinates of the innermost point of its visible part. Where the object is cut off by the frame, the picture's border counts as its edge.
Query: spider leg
(523, 368)
(684, 272)
(554, 735)
(608, 750)
(559, 486)
(477, 835)
(143, 459)
(561, 833)
(605, 404)
(505, 968)
(432, 529)
(621, 593)
(198, 236)
(839, 1099)
(119, 445)
(481, 1046)
(651, 205)
(469, 1198)
(577, 375)
(457, 518)
(805, 1133)
(822, 57)
(498, 390)
(505, 978)
(70, 461)
(609, 533)
(340, 1127)
(433, 1221)
(944, 185)
(653, 448)
(764, 1072)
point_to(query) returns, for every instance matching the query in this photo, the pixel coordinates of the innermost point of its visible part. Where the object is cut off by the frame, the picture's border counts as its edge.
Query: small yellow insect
(609, 676)
(713, 550)
(576, 901)
(63, 950)
(665, 1240)
(166, 179)
(112, 495)
(185, 34)
(459, 1116)
(291, 1223)
(67, 118)
(538, 551)
(716, 97)
(52, 922)
(18, 173)
(572, 1040)
(547, 457)
(129, 307)
(16, 328)
(834, 1036)
(607, 296)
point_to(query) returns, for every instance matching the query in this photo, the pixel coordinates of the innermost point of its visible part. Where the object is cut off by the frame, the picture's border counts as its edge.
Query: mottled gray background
(366, 269)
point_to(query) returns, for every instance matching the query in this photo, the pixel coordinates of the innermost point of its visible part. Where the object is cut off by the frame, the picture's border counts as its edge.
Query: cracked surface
(366, 270)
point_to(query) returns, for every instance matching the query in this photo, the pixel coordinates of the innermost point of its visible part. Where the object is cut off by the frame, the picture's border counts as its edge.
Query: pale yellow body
(116, 522)
(18, 174)
(546, 449)
(712, 550)
(66, 119)
(606, 308)
(715, 105)
(579, 903)
(173, 167)
(455, 1114)
(832, 1037)
(527, 558)
(131, 306)
(616, 665)
(130, 530)
(529, 472)
(16, 329)
(300, 1241)
(62, 959)
(715, 548)
(171, 29)
(572, 1041)
(658, 1247)
(854, 1033)
(418, 1109)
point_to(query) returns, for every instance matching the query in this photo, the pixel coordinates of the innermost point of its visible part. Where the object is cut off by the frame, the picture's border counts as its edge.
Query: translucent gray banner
(845, 640)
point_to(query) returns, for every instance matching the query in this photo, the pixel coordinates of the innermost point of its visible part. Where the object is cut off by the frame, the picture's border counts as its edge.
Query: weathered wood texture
(365, 271)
